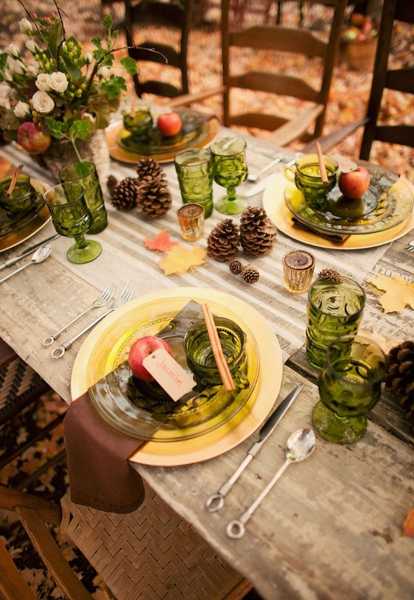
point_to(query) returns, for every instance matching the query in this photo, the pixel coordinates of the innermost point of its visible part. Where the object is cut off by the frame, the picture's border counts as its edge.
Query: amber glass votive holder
(191, 221)
(298, 267)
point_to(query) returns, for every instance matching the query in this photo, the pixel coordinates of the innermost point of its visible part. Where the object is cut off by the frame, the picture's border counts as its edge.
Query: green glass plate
(194, 125)
(13, 223)
(145, 412)
(387, 203)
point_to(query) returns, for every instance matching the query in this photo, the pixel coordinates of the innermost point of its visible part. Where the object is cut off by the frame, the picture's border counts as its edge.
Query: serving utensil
(254, 177)
(14, 260)
(410, 246)
(38, 257)
(102, 300)
(126, 295)
(216, 501)
(299, 447)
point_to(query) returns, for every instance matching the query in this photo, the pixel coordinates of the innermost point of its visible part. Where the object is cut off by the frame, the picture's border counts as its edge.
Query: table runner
(124, 257)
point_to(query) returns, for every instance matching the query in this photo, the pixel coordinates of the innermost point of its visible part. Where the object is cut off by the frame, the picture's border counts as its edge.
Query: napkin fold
(97, 455)
(335, 238)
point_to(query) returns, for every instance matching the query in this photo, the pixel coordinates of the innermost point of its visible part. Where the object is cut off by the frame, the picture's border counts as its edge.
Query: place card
(169, 374)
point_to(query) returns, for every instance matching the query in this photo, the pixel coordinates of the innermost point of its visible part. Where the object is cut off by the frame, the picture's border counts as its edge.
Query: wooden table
(332, 527)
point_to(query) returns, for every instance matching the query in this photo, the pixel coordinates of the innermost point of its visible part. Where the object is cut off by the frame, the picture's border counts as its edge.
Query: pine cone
(111, 183)
(154, 198)
(236, 267)
(148, 168)
(124, 195)
(257, 232)
(250, 274)
(330, 275)
(223, 241)
(400, 376)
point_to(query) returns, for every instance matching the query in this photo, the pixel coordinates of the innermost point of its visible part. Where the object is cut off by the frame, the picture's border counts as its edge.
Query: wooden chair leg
(279, 12)
(12, 584)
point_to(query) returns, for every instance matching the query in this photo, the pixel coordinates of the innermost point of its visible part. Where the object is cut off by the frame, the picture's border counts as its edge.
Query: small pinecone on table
(154, 197)
(250, 274)
(399, 380)
(148, 168)
(124, 194)
(223, 241)
(257, 232)
(236, 267)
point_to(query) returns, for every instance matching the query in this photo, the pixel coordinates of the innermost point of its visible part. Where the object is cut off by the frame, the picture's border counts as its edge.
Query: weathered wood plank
(285, 85)
(282, 39)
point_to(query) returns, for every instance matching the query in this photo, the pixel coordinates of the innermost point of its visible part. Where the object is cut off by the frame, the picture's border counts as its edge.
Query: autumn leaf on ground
(408, 527)
(180, 259)
(398, 293)
(162, 242)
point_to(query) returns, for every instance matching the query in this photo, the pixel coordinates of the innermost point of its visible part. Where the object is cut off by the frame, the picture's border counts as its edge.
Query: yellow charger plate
(275, 206)
(93, 362)
(117, 152)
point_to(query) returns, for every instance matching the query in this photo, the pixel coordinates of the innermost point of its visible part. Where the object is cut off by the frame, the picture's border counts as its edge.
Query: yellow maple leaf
(399, 293)
(180, 259)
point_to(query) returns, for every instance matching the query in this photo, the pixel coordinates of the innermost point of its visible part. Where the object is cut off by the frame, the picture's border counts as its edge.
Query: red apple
(32, 138)
(140, 350)
(355, 183)
(169, 124)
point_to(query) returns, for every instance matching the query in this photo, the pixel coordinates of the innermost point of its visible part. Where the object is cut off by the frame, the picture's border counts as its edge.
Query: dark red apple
(169, 124)
(32, 138)
(355, 183)
(140, 350)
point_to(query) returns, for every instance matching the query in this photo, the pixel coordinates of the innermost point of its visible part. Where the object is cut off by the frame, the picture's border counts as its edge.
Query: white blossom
(31, 46)
(33, 68)
(21, 109)
(13, 50)
(91, 118)
(42, 102)
(105, 72)
(25, 26)
(58, 82)
(5, 95)
(89, 57)
(43, 82)
(14, 66)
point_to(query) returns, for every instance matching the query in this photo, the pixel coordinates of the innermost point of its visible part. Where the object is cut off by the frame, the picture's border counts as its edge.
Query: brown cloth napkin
(335, 238)
(99, 473)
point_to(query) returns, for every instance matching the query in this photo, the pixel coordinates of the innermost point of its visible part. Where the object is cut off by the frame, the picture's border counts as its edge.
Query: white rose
(25, 26)
(5, 95)
(105, 72)
(58, 82)
(33, 68)
(31, 46)
(42, 102)
(14, 66)
(13, 50)
(89, 57)
(21, 109)
(43, 82)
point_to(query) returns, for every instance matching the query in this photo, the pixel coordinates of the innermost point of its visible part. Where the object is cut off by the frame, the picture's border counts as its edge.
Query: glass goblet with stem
(71, 218)
(230, 170)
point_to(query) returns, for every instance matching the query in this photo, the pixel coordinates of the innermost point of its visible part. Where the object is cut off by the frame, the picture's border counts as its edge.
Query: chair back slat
(160, 88)
(282, 39)
(258, 120)
(395, 134)
(163, 53)
(284, 85)
(158, 13)
(12, 584)
(405, 11)
(401, 80)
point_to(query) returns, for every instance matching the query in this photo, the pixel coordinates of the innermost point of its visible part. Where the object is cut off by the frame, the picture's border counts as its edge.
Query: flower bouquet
(54, 97)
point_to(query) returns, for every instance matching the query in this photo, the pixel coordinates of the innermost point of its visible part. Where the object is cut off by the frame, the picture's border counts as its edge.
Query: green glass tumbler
(23, 197)
(349, 387)
(230, 170)
(81, 177)
(334, 310)
(71, 218)
(195, 175)
(307, 176)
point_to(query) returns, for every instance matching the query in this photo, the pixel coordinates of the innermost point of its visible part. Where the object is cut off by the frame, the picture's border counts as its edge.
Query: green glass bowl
(308, 179)
(22, 200)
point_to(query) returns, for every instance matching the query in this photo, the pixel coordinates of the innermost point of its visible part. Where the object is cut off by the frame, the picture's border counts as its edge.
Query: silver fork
(102, 300)
(127, 293)
(410, 246)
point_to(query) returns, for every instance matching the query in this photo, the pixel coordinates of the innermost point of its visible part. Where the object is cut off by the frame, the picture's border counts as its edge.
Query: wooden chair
(285, 40)
(397, 79)
(176, 15)
(35, 515)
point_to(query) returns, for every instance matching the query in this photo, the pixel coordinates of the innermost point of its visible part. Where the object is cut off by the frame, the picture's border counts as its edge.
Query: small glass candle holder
(334, 310)
(200, 356)
(230, 170)
(307, 176)
(81, 178)
(139, 121)
(298, 267)
(195, 175)
(191, 221)
(349, 387)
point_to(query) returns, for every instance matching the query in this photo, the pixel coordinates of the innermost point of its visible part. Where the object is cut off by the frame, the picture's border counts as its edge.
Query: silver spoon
(300, 446)
(38, 257)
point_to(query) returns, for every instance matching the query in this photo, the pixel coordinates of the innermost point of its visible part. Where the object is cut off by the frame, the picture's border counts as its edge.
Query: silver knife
(13, 261)
(216, 501)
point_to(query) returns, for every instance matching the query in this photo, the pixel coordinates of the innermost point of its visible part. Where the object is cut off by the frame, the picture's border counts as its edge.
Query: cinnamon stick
(322, 167)
(13, 181)
(221, 362)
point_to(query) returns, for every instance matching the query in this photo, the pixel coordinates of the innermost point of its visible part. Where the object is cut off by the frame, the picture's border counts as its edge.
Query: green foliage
(129, 65)
(113, 87)
(81, 129)
(55, 128)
